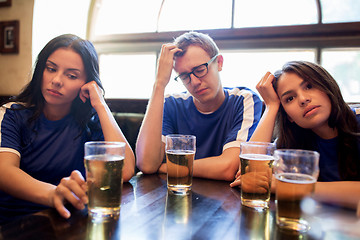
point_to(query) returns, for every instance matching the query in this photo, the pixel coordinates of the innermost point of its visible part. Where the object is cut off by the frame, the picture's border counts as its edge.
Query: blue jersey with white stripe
(234, 121)
(48, 150)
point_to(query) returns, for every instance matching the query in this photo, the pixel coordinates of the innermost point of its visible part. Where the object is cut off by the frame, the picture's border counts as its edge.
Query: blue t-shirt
(48, 150)
(234, 121)
(328, 164)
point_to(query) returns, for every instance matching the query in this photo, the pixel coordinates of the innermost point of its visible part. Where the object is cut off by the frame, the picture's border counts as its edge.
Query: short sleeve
(248, 108)
(10, 130)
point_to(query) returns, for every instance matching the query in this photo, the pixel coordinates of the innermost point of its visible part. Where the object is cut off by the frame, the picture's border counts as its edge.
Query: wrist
(272, 107)
(158, 89)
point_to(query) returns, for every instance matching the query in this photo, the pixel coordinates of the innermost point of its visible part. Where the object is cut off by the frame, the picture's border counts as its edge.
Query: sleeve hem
(4, 149)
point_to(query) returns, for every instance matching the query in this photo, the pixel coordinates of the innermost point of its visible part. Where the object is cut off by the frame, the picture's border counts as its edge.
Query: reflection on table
(211, 211)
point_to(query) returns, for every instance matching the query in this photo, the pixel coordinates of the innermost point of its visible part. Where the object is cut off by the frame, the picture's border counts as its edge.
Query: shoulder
(178, 96)
(178, 99)
(15, 108)
(241, 92)
(13, 105)
(243, 95)
(357, 113)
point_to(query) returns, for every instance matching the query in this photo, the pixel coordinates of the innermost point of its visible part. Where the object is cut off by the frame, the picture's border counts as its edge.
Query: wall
(15, 68)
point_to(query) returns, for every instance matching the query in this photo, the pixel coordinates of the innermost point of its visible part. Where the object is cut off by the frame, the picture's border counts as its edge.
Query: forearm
(265, 128)
(149, 146)
(19, 184)
(223, 167)
(113, 133)
(345, 193)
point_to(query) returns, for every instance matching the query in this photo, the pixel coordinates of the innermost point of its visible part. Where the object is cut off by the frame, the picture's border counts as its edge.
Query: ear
(220, 61)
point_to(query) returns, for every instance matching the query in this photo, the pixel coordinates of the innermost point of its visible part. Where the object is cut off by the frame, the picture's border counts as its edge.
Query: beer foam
(257, 157)
(298, 178)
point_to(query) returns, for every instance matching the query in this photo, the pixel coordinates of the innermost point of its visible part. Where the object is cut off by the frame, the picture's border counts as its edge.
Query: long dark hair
(290, 135)
(31, 95)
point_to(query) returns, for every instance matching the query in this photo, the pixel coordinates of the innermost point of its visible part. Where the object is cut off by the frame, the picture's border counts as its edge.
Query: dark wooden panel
(211, 211)
(127, 105)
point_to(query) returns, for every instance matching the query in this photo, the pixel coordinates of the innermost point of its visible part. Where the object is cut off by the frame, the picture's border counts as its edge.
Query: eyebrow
(69, 69)
(287, 92)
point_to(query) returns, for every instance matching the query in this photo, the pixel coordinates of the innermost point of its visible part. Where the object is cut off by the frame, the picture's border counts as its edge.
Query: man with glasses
(220, 118)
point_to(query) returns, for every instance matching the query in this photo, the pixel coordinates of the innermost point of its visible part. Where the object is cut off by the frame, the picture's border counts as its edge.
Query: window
(344, 66)
(246, 68)
(121, 16)
(344, 11)
(256, 13)
(253, 36)
(53, 18)
(200, 14)
(121, 72)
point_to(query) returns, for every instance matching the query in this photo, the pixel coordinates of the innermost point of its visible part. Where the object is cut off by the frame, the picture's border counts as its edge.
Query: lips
(201, 91)
(310, 110)
(54, 92)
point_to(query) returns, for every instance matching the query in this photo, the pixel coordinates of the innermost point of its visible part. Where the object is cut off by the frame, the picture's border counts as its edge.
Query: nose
(194, 80)
(57, 80)
(304, 99)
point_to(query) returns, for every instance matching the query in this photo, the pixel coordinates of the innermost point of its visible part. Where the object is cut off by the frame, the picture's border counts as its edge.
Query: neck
(326, 132)
(210, 106)
(54, 113)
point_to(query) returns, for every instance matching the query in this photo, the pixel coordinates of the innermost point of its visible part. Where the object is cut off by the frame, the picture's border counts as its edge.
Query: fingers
(265, 81)
(235, 183)
(165, 63)
(238, 174)
(92, 91)
(267, 91)
(83, 97)
(59, 206)
(255, 182)
(71, 189)
(170, 48)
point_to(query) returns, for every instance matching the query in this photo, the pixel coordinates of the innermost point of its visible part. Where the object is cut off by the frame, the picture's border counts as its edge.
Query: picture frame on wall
(5, 3)
(9, 42)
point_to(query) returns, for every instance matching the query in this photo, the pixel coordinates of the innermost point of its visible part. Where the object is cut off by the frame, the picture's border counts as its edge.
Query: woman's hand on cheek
(267, 91)
(93, 92)
(71, 189)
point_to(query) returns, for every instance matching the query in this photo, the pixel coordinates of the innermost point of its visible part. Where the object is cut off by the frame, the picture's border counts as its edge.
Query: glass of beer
(104, 162)
(256, 164)
(296, 172)
(180, 153)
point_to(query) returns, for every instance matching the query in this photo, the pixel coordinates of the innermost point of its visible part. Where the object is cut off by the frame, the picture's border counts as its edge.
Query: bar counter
(211, 211)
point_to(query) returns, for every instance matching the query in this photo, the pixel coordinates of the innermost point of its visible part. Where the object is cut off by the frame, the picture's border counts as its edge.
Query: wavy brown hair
(290, 135)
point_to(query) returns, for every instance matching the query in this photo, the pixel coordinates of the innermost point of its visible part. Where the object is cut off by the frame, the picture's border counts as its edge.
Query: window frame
(317, 36)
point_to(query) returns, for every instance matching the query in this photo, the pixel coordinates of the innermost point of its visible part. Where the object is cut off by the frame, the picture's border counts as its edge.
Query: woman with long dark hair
(305, 106)
(44, 128)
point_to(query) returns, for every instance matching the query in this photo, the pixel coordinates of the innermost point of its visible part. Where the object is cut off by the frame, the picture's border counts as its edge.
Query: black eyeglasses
(199, 71)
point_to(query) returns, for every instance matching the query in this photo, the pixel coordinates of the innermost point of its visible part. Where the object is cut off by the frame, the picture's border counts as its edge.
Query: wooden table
(211, 211)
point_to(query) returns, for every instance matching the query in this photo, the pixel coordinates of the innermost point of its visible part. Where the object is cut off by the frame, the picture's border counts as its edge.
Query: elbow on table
(231, 169)
(146, 167)
(229, 175)
(227, 172)
(128, 174)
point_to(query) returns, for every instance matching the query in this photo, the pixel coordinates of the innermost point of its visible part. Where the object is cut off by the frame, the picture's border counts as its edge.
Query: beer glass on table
(180, 153)
(296, 172)
(104, 162)
(256, 161)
